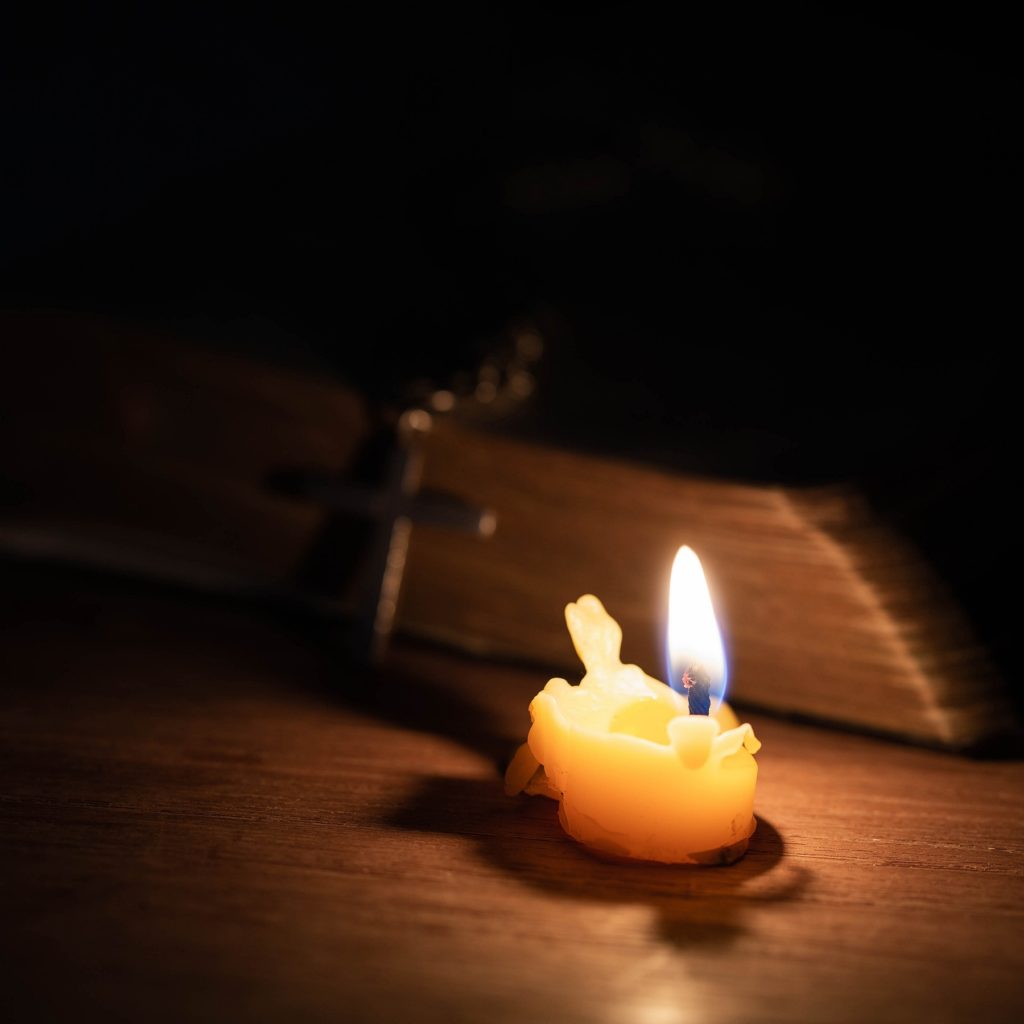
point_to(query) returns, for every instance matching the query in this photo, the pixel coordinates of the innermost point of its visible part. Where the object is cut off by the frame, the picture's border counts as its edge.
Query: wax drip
(697, 683)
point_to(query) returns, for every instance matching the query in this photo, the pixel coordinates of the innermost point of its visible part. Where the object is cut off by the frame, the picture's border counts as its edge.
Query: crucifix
(393, 509)
(347, 575)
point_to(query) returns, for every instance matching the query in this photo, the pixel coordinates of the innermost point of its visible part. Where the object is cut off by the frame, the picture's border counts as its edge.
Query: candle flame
(694, 641)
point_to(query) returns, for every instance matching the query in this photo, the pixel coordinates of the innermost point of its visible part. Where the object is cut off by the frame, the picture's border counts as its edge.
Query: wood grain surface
(206, 816)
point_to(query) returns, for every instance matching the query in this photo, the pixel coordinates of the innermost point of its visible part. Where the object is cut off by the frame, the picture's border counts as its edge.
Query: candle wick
(697, 683)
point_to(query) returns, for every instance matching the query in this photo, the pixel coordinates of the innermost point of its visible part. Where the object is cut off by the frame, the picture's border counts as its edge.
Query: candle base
(526, 775)
(720, 857)
(603, 845)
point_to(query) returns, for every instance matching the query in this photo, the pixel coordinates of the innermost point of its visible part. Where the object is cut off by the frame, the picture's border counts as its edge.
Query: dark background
(776, 249)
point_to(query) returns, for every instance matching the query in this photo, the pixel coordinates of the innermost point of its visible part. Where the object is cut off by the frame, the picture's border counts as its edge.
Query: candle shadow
(692, 906)
(416, 703)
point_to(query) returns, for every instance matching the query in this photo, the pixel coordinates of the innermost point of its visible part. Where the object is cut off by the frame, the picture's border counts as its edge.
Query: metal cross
(393, 509)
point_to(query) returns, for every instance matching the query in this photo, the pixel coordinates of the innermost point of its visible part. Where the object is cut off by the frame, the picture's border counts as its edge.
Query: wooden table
(206, 816)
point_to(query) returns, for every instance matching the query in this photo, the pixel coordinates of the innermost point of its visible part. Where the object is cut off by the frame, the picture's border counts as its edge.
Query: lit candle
(640, 770)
